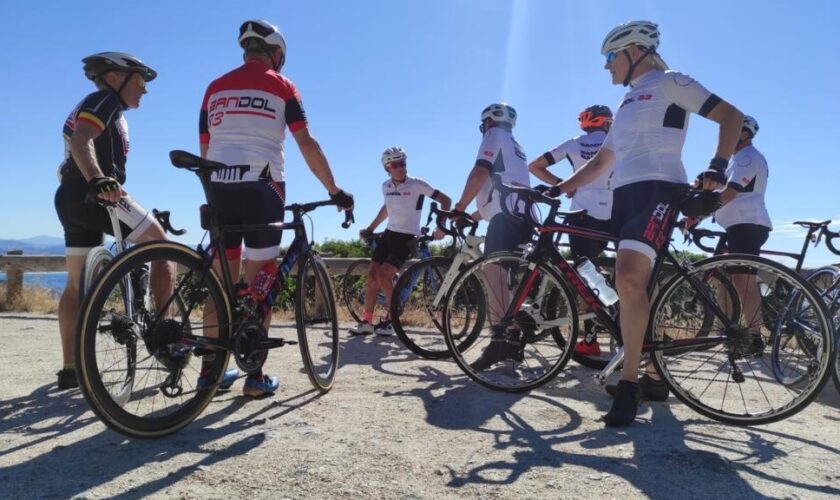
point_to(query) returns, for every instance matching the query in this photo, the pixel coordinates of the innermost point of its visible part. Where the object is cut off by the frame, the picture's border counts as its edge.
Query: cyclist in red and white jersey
(403, 205)
(644, 148)
(96, 149)
(595, 198)
(243, 121)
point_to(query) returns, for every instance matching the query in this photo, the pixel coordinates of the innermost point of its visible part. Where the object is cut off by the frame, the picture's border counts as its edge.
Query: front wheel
(173, 345)
(730, 373)
(530, 328)
(827, 282)
(317, 322)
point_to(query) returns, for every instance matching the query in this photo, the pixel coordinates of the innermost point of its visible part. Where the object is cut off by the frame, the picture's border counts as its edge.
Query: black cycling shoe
(505, 345)
(650, 389)
(625, 405)
(67, 379)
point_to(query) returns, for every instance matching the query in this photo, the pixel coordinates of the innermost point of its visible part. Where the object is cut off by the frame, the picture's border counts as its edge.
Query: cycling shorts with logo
(507, 234)
(585, 247)
(84, 223)
(257, 202)
(643, 215)
(394, 248)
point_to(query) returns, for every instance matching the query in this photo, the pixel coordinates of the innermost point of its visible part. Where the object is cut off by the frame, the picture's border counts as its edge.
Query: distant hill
(38, 245)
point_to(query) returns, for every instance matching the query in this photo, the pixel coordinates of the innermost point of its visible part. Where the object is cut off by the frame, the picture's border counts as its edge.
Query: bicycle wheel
(530, 347)
(95, 262)
(728, 375)
(164, 393)
(353, 288)
(317, 322)
(826, 280)
(418, 322)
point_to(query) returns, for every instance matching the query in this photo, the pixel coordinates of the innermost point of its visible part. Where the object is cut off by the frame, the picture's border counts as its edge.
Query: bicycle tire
(95, 261)
(536, 358)
(702, 378)
(353, 288)
(315, 306)
(422, 333)
(167, 363)
(825, 281)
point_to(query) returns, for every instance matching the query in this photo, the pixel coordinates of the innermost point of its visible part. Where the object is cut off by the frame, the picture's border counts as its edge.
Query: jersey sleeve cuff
(295, 126)
(709, 105)
(736, 186)
(549, 158)
(484, 164)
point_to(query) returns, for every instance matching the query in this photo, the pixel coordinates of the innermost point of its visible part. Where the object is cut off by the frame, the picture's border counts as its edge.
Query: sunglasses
(611, 57)
(396, 164)
(139, 80)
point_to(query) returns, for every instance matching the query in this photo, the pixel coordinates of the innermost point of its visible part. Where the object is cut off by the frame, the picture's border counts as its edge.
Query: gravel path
(396, 426)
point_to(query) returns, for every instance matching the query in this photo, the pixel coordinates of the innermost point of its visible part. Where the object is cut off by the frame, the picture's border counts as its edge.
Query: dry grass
(32, 299)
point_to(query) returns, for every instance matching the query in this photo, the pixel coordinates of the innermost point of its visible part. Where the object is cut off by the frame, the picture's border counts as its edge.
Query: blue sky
(417, 74)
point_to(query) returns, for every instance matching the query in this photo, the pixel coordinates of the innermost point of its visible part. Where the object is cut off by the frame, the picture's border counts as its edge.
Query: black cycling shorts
(85, 223)
(746, 238)
(507, 234)
(585, 247)
(257, 202)
(643, 215)
(394, 248)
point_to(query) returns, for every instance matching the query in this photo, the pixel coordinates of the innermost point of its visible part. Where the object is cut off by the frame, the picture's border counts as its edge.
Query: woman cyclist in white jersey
(403, 204)
(595, 198)
(644, 148)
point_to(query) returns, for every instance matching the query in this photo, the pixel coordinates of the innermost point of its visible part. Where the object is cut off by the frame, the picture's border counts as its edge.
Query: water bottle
(261, 286)
(596, 282)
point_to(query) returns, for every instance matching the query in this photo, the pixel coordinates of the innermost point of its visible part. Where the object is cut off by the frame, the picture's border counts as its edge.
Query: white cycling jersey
(747, 173)
(648, 132)
(500, 154)
(243, 121)
(595, 197)
(404, 202)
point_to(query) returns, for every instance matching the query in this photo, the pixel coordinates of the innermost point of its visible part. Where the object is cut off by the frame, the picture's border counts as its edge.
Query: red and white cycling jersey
(595, 197)
(243, 121)
(649, 130)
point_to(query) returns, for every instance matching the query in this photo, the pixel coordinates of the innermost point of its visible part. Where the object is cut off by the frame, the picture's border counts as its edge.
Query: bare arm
(730, 120)
(381, 216)
(478, 176)
(539, 168)
(590, 171)
(83, 150)
(315, 159)
(445, 201)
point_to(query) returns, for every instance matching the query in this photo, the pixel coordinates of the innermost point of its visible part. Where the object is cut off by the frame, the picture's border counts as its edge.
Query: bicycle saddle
(189, 161)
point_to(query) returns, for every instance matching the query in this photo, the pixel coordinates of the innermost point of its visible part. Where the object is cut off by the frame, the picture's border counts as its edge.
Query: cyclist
(595, 198)
(242, 124)
(96, 147)
(499, 153)
(644, 147)
(403, 204)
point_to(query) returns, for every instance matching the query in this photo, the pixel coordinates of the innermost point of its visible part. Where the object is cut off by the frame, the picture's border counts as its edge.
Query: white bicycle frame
(468, 252)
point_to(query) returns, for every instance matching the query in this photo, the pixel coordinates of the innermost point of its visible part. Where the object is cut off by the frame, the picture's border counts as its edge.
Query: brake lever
(162, 217)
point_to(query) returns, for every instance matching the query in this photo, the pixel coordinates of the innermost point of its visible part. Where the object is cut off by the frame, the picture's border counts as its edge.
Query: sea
(51, 281)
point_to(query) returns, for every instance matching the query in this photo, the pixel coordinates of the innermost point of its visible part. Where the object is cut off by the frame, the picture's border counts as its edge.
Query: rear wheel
(317, 322)
(163, 343)
(827, 282)
(730, 374)
(95, 262)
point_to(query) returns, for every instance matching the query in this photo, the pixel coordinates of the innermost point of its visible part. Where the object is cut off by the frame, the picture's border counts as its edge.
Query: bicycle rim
(317, 323)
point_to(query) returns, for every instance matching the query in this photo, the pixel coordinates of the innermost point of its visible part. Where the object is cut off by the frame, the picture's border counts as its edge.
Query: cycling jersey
(594, 197)
(102, 109)
(243, 120)
(747, 173)
(404, 202)
(649, 130)
(500, 154)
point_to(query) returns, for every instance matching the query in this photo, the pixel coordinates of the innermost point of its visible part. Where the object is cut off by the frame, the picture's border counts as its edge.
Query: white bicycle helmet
(262, 30)
(98, 64)
(500, 112)
(641, 33)
(750, 124)
(393, 154)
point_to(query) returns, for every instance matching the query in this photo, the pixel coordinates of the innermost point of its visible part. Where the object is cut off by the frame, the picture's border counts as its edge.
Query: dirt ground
(396, 426)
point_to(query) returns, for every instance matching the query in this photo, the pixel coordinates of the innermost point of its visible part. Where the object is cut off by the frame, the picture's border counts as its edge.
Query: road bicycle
(354, 280)
(720, 368)
(422, 287)
(193, 332)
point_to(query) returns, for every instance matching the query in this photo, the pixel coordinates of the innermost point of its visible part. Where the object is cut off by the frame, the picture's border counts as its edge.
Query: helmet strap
(631, 65)
(116, 91)
(269, 51)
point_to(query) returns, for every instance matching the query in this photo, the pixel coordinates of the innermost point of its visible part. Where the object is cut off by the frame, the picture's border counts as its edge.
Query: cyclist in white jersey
(644, 148)
(242, 124)
(595, 198)
(403, 205)
(499, 153)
